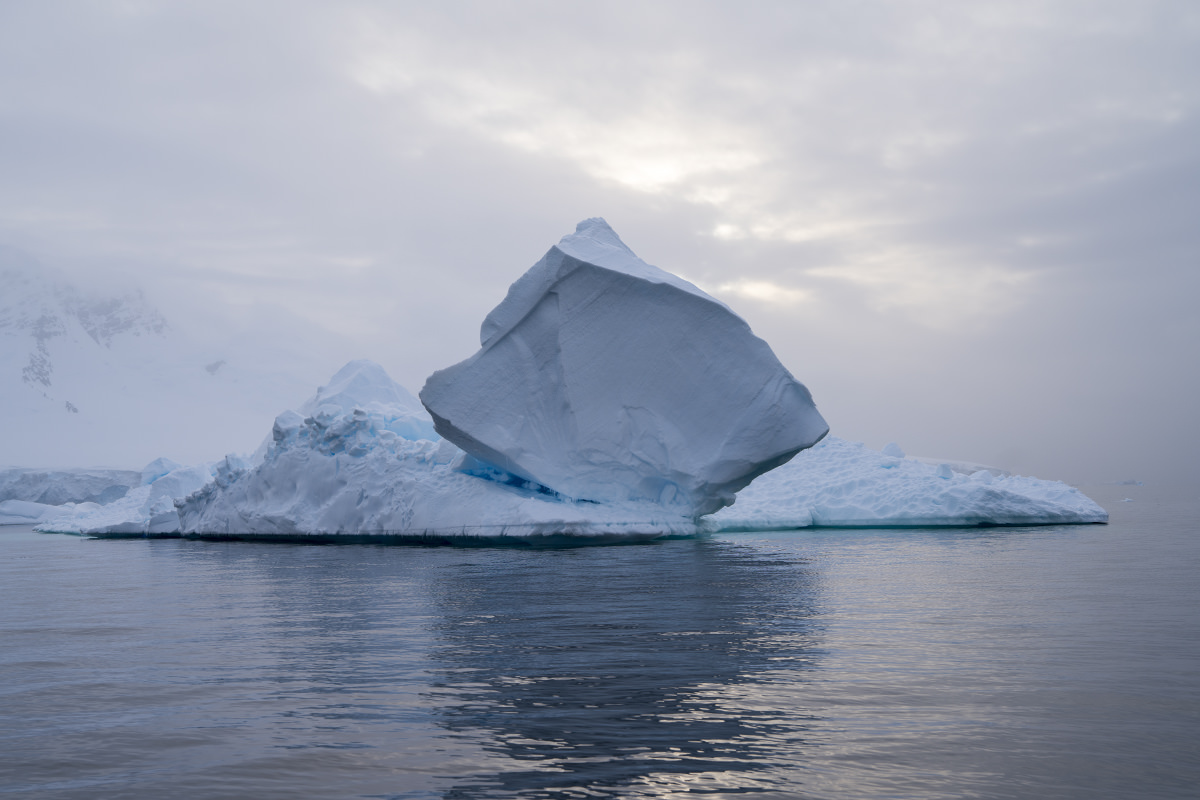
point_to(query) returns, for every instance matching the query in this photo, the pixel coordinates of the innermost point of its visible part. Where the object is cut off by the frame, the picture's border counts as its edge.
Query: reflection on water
(622, 673)
(1053, 662)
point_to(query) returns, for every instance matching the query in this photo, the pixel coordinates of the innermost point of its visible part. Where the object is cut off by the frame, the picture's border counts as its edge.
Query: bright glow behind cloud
(650, 145)
(861, 179)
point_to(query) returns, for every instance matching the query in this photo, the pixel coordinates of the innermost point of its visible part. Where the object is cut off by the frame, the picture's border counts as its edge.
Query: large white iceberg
(607, 379)
(610, 401)
(342, 474)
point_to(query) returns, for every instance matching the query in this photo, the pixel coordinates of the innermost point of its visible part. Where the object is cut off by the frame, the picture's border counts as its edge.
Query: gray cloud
(968, 227)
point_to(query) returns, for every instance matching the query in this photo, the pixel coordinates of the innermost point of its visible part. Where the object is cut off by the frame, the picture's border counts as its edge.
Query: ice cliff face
(607, 379)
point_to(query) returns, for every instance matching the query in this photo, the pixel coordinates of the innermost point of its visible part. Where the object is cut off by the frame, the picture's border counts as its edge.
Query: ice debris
(146, 510)
(606, 379)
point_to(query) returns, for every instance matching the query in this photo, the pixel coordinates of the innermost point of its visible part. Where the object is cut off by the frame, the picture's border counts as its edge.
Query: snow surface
(607, 379)
(839, 483)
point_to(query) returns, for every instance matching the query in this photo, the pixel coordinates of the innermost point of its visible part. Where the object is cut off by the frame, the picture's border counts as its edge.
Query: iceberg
(843, 484)
(347, 478)
(603, 378)
(344, 472)
(610, 401)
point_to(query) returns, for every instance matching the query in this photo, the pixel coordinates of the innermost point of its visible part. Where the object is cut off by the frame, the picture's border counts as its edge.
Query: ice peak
(594, 232)
(595, 245)
(360, 383)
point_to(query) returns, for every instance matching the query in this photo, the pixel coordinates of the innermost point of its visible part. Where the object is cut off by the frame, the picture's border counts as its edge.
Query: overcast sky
(971, 228)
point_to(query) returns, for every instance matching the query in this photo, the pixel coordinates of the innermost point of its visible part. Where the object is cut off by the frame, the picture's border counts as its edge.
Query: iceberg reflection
(624, 674)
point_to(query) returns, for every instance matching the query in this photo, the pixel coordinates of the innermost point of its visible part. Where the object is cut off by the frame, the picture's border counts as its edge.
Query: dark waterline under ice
(1017, 662)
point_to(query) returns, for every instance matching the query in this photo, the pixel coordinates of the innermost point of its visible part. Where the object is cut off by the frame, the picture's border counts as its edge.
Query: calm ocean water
(1057, 662)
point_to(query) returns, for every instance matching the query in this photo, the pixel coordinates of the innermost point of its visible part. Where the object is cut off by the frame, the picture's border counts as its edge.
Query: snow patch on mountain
(101, 378)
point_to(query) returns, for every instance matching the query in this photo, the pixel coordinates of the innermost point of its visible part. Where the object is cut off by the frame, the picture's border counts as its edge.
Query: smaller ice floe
(56, 487)
(147, 510)
(27, 512)
(838, 483)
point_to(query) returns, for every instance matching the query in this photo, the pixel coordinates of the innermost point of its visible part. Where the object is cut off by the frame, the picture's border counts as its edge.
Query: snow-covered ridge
(364, 385)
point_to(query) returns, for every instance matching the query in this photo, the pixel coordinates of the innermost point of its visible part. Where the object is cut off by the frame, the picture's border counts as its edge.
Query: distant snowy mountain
(39, 312)
(92, 378)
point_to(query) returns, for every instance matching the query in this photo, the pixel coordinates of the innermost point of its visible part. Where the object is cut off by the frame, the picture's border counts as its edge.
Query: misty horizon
(966, 230)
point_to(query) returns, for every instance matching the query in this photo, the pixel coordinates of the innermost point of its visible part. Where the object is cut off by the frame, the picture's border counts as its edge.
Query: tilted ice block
(607, 379)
